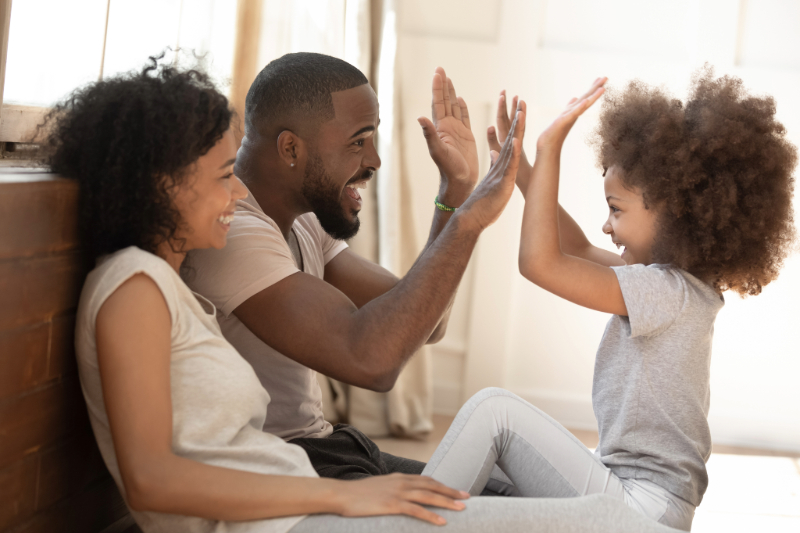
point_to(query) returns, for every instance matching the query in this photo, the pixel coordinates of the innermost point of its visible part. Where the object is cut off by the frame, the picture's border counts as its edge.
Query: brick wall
(52, 478)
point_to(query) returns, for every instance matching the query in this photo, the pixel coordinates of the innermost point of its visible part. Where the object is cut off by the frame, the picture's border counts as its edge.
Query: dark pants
(349, 454)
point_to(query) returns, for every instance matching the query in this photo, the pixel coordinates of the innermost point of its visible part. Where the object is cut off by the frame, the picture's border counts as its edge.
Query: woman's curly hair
(718, 169)
(129, 140)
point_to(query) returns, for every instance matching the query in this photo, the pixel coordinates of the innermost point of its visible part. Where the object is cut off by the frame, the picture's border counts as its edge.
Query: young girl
(700, 201)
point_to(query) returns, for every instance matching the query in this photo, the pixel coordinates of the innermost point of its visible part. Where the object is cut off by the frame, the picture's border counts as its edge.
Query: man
(290, 295)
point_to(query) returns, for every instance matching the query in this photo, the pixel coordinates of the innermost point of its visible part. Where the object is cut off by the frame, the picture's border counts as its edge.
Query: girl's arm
(541, 258)
(573, 240)
(133, 347)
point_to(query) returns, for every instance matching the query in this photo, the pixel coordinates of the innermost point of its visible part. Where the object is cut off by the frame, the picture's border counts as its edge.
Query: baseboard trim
(732, 429)
(446, 398)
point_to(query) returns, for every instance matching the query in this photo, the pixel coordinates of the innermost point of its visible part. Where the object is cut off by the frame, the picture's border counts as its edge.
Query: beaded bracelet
(441, 207)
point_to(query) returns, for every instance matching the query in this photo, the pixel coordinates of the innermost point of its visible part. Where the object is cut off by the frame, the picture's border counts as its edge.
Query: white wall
(505, 331)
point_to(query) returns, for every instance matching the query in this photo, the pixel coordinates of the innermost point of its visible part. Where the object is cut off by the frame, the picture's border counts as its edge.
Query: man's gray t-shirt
(651, 380)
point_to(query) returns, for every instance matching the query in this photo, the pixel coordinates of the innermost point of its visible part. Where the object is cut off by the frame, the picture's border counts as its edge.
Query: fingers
(464, 112)
(517, 126)
(437, 96)
(503, 122)
(513, 163)
(493, 155)
(520, 118)
(599, 82)
(423, 490)
(494, 143)
(448, 104)
(428, 483)
(435, 147)
(454, 104)
(584, 104)
(591, 93)
(514, 139)
(417, 511)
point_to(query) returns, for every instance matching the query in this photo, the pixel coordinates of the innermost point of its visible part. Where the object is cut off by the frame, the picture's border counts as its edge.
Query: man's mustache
(367, 174)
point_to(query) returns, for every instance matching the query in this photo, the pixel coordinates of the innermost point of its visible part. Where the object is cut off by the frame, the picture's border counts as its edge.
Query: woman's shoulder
(115, 269)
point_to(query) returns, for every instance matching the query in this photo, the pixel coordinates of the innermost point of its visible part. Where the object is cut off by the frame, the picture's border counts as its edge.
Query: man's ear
(291, 149)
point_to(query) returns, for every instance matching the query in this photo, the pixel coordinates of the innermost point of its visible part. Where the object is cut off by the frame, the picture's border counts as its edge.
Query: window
(51, 47)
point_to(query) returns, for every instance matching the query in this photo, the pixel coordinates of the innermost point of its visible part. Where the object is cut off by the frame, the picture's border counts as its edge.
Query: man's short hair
(298, 86)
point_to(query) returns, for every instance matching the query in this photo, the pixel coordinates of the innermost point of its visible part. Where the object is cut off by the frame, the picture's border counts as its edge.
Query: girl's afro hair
(718, 169)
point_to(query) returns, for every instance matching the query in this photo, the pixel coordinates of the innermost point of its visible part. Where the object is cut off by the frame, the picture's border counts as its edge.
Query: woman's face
(207, 197)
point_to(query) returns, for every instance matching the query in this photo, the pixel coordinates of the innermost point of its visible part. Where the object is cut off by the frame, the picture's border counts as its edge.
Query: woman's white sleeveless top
(218, 403)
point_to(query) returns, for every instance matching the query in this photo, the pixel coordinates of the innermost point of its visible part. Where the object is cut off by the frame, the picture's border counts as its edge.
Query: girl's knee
(493, 399)
(491, 392)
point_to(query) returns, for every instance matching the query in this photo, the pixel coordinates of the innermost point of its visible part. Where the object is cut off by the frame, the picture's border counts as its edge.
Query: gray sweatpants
(500, 439)
(567, 489)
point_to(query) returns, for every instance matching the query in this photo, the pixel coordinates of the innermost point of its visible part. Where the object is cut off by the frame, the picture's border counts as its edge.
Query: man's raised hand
(497, 136)
(487, 202)
(450, 141)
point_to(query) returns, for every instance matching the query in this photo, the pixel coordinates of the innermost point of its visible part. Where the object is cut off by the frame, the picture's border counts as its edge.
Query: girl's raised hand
(399, 494)
(554, 135)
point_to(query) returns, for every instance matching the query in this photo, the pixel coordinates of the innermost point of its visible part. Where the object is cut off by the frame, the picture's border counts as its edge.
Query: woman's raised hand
(399, 494)
(554, 135)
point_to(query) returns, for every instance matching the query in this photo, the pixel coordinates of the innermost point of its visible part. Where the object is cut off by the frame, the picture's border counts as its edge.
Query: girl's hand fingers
(417, 511)
(503, 122)
(494, 143)
(522, 107)
(493, 155)
(586, 103)
(599, 82)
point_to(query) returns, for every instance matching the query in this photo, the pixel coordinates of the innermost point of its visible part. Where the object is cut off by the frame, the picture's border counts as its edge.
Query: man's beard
(324, 197)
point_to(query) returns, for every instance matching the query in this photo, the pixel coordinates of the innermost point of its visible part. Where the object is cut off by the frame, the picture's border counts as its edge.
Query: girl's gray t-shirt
(651, 380)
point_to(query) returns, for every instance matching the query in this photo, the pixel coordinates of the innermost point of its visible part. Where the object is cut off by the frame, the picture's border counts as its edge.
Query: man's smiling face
(341, 159)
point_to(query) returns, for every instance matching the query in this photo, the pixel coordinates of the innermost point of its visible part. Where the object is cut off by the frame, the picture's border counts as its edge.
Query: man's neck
(276, 205)
(265, 178)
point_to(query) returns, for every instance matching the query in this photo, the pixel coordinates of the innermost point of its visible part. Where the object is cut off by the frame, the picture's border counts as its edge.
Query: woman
(176, 411)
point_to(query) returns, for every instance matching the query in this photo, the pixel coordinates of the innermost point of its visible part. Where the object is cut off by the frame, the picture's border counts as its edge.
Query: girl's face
(630, 225)
(207, 197)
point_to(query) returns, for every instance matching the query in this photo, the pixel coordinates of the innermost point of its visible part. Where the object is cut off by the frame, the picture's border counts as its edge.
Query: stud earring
(291, 165)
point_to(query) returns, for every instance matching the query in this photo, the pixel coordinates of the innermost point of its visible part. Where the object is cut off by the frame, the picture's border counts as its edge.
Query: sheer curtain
(362, 32)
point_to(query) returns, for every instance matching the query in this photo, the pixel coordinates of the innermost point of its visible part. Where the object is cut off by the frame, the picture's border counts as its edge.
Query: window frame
(18, 123)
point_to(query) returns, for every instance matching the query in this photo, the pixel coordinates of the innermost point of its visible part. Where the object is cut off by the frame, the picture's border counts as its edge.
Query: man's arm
(452, 147)
(317, 325)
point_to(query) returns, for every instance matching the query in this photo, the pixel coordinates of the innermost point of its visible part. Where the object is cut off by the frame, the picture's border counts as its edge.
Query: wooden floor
(750, 490)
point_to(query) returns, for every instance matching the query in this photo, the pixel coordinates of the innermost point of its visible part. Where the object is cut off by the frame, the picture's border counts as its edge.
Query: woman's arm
(134, 346)
(573, 240)
(541, 258)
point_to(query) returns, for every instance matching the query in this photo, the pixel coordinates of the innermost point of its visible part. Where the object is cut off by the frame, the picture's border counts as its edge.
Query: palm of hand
(461, 152)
